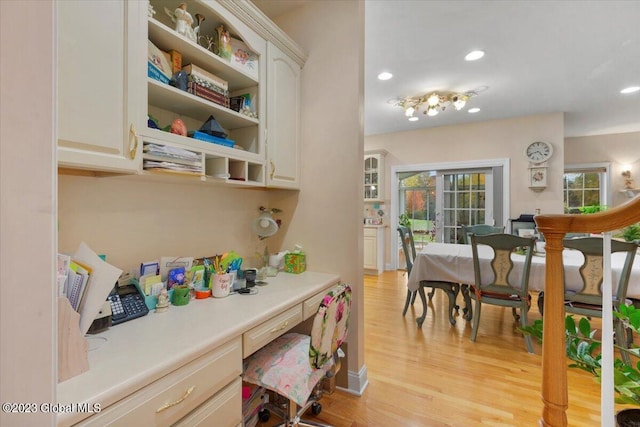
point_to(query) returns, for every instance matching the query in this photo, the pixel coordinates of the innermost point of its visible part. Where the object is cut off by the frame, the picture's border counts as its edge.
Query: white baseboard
(357, 381)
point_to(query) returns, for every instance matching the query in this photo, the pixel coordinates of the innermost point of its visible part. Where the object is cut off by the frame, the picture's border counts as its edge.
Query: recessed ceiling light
(473, 110)
(630, 89)
(385, 75)
(473, 56)
(413, 119)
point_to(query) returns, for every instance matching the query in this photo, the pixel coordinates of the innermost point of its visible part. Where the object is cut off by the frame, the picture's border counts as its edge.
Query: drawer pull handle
(273, 169)
(281, 327)
(170, 404)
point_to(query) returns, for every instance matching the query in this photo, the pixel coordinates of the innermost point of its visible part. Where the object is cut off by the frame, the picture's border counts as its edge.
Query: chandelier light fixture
(432, 103)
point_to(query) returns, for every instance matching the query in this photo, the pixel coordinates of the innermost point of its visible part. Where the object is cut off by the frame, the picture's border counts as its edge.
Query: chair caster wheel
(316, 408)
(264, 415)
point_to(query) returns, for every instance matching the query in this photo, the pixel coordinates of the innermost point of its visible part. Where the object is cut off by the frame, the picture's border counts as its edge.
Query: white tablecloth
(454, 263)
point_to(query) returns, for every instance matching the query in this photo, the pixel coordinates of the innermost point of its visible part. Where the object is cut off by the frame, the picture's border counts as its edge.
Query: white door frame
(472, 164)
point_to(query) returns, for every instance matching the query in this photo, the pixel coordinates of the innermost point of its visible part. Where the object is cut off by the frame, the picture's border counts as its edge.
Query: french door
(463, 197)
(439, 202)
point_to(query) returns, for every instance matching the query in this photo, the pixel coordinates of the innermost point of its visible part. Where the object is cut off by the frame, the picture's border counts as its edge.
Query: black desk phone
(127, 303)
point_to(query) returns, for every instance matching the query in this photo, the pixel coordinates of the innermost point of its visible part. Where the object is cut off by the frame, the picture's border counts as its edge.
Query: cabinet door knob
(133, 134)
(170, 404)
(273, 169)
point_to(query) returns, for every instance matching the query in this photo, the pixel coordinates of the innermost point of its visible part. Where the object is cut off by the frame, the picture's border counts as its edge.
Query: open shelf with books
(211, 80)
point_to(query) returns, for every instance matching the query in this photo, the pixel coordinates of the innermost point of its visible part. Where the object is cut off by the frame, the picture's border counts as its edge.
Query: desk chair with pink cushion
(294, 365)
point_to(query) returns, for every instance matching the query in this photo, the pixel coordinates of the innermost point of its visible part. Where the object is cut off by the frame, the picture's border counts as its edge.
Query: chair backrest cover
(592, 271)
(501, 263)
(330, 326)
(406, 237)
(479, 230)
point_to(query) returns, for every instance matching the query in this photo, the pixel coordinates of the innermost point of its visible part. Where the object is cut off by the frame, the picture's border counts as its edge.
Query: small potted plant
(584, 351)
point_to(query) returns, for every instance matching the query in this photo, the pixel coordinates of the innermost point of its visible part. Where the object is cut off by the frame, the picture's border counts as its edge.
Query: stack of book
(162, 158)
(207, 85)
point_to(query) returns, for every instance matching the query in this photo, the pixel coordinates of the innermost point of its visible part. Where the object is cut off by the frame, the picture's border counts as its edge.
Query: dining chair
(451, 289)
(587, 300)
(294, 365)
(479, 230)
(502, 288)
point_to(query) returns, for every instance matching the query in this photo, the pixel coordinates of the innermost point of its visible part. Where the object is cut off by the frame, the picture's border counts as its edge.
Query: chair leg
(541, 303)
(476, 320)
(523, 321)
(433, 291)
(467, 310)
(410, 296)
(413, 297)
(452, 303)
(423, 298)
(514, 311)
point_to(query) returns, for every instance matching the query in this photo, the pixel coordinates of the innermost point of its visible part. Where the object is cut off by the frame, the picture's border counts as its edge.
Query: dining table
(451, 262)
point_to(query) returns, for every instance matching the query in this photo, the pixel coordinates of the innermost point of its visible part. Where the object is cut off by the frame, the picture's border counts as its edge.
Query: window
(585, 186)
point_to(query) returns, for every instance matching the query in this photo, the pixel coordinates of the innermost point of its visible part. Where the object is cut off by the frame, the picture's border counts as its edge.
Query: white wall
(328, 217)
(619, 149)
(496, 139)
(27, 215)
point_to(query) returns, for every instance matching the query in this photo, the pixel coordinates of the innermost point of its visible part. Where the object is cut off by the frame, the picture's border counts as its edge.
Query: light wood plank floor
(435, 376)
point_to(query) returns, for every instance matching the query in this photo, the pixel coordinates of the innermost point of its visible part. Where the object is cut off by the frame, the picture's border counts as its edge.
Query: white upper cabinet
(283, 120)
(374, 175)
(99, 102)
(113, 105)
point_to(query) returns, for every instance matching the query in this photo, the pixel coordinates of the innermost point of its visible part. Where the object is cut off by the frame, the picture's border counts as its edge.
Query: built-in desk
(194, 351)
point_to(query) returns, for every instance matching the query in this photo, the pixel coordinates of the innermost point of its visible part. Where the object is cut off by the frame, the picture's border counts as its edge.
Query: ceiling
(541, 57)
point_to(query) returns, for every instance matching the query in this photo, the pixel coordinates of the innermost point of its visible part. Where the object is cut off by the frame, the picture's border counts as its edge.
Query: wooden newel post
(554, 363)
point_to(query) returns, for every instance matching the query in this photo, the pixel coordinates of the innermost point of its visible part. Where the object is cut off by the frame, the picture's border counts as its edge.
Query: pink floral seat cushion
(293, 364)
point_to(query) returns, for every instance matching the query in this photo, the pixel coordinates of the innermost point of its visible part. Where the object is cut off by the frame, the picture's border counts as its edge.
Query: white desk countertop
(142, 350)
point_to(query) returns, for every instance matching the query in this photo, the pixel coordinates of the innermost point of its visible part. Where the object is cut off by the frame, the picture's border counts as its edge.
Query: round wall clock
(538, 152)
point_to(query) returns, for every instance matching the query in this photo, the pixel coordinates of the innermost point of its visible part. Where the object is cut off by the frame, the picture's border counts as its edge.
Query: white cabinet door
(283, 120)
(99, 108)
(371, 252)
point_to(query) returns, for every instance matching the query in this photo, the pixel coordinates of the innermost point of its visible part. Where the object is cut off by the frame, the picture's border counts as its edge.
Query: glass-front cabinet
(374, 175)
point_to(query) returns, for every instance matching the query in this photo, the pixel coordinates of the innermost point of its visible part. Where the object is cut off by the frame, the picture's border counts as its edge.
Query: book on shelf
(172, 153)
(208, 94)
(195, 71)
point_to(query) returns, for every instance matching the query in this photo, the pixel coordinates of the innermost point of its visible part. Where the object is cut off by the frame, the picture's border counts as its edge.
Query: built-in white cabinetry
(374, 175)
(244, 162)
(99, 91)
(283, 120)
(374, 249)
(106, 95)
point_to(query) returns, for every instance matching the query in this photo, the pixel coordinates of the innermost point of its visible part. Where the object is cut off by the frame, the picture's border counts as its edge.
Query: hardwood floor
(435, 376)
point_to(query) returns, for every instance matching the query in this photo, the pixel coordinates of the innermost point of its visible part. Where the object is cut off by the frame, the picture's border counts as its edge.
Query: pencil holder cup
(181, 295)
(221, 285)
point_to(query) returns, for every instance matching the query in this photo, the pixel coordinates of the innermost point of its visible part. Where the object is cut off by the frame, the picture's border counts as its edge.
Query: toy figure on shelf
(184, 20)
(224, 43)
(163, 302)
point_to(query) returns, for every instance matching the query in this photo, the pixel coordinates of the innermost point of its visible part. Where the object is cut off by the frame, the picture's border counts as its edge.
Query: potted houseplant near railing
(584, 351)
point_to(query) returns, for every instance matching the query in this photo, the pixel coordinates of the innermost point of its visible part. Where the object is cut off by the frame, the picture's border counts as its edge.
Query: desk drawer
(310, 306)
(259, 336)
(370, 232)
(170, 398)
(224, 409)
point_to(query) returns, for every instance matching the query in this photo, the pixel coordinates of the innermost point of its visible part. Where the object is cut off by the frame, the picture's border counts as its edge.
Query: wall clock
(539, 152)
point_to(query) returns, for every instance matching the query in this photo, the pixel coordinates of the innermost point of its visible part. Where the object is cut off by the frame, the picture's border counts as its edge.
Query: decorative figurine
(178, 127)
(184, 20)
(163, 302)
(224, 43)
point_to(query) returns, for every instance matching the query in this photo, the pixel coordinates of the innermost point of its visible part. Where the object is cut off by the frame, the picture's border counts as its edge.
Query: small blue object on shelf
(155, 73)
(210, 138)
